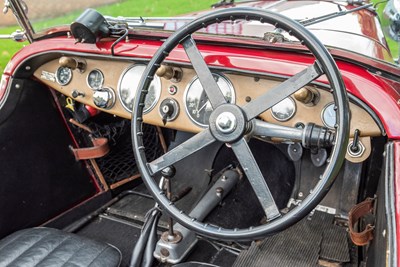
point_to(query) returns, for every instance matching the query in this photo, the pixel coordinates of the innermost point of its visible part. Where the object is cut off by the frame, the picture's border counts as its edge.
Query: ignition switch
(169, 110)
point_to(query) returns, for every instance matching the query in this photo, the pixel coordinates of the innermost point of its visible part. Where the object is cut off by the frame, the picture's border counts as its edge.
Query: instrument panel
(110, 86)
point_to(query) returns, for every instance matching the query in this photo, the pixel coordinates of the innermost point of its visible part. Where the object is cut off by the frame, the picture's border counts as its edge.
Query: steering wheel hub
(227, 123)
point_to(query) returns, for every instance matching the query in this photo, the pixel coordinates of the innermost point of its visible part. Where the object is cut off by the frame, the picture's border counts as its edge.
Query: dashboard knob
(73, 63)
(306, 96)
(169, 73)
(104, 98)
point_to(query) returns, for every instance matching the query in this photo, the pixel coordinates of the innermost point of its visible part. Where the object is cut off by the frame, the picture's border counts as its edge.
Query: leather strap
(100, 148)
(361, 209)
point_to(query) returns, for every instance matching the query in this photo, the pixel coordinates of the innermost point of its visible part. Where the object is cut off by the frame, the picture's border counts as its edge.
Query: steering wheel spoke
(256, 179)
(186, 149)
(208, 82)
(283, 90)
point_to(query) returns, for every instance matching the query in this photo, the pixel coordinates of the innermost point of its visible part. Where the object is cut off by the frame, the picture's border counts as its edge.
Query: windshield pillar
(19, 8)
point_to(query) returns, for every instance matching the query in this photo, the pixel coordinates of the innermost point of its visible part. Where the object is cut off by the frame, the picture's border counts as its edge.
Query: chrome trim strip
(390, 206)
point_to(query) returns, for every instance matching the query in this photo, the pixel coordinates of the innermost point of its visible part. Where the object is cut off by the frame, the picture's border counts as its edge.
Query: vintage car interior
(238, 139)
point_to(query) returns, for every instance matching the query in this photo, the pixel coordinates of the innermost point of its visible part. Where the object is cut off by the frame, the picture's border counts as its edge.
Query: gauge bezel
(322, 115)
(158, 84)
(230, 85)
(288, 118)
(69, 79)
(102, 79)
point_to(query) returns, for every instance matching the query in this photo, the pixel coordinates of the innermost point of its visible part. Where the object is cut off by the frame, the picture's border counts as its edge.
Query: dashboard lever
(355, 147)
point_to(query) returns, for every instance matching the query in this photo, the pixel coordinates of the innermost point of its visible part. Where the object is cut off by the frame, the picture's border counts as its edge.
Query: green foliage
(393, 45)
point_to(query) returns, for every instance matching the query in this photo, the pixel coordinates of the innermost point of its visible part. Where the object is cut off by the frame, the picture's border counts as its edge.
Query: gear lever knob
(168, 172)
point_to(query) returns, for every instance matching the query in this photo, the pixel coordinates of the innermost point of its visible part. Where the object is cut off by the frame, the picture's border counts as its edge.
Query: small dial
(128, 86)
(197, 105)
(328, 115)
(63, 75)
(95, 79)
(284, 110)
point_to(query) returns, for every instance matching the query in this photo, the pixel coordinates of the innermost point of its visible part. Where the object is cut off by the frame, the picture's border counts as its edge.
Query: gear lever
(168, 173)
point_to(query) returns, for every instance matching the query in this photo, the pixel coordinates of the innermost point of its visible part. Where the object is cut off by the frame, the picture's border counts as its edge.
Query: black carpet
(241, 208)
(119, 234)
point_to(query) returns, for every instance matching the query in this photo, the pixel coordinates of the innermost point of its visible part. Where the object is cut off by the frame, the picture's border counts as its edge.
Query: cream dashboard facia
(110, 86)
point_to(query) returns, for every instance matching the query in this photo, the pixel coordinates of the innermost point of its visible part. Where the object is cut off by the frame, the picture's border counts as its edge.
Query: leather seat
(36, 247)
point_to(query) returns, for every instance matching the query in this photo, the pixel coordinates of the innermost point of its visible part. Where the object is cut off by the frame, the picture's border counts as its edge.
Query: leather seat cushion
(52, 247)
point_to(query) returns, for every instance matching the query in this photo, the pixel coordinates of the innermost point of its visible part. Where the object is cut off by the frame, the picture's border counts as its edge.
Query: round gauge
(197, 105)
(284, 110)
(328, 115)
(129, 83)
(63, 75)
(95, 79)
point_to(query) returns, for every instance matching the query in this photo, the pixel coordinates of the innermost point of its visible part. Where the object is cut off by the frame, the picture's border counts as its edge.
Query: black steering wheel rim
(326, 63)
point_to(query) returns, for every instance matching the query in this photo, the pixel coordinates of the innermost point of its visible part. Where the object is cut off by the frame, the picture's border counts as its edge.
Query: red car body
(355, 40)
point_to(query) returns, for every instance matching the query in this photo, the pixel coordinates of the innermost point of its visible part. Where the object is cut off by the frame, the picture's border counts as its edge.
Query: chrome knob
(226, 122)
(104, 98)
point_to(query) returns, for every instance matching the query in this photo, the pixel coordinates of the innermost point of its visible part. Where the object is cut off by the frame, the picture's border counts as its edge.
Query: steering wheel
(230, 124)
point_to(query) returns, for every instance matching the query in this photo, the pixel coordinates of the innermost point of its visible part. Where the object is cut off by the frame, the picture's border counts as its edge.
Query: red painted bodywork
(354, 40)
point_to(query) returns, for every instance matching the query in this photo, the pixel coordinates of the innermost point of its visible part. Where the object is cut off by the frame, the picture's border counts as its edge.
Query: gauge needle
(203, 106)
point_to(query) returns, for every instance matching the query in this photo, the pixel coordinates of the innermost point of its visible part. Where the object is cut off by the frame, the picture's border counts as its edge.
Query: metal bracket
(17, 36)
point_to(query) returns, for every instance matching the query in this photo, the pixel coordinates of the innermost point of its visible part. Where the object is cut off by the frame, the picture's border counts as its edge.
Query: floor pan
(314, 241)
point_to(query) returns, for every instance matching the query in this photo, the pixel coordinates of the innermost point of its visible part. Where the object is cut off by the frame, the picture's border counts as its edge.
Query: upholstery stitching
(101, 252)
(15, 238)
(23, 252)
(54, 249)
(73, 254)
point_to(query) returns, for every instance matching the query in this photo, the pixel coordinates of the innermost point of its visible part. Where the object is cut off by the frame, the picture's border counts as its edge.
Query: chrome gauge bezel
(102, 79)
(156, 84)
(220, 76)
(69, 76)
(323, 112)
(290, 116)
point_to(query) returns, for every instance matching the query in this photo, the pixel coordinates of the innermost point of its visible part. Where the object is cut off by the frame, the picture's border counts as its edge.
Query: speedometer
(128, 85)
(197, 105)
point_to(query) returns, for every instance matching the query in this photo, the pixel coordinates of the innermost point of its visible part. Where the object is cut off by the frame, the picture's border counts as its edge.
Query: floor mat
(300, 245)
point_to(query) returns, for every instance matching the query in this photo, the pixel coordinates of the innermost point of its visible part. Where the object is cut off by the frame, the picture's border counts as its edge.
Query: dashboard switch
(169, 110)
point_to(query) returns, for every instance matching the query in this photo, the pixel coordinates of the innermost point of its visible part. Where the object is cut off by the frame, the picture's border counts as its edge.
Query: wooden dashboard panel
(245, 87)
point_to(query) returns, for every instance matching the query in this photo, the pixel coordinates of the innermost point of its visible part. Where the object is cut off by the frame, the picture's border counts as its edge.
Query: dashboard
(110, 86)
